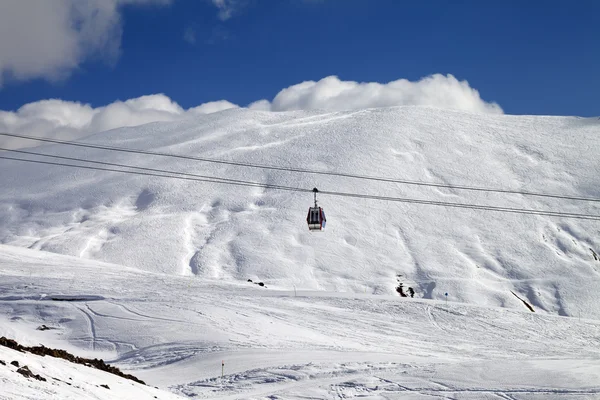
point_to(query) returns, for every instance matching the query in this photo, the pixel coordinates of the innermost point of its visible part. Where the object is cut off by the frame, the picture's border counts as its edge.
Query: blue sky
(531, 57)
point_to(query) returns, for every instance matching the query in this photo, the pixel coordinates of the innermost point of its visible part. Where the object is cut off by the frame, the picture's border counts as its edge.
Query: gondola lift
(316, 216)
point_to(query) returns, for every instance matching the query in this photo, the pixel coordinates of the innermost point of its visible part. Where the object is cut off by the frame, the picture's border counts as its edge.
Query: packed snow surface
(151, 273)
(226, 340)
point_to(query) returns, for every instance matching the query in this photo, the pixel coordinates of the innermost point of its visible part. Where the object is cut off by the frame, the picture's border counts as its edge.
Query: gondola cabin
(316, 219)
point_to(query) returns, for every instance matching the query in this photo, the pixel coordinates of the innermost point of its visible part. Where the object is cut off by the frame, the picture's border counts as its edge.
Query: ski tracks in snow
(358, 380)
(432, 318)
(91, 325)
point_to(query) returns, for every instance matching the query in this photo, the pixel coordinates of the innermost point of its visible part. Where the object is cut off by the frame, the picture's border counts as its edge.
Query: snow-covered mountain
(156, 269)
(215, 231)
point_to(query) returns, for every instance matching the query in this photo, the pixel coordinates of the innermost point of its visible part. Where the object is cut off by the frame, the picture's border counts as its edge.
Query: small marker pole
(222, 368)
(446, 294)
(294, 290)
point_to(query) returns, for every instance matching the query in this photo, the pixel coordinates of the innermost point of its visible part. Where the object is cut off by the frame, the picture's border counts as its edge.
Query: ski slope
(232, 233)
(174, 332)
(151, 274)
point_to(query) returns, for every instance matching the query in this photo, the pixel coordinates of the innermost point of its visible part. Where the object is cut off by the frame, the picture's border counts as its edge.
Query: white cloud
(133, 112)
(49, 39)
(331, 93)
(227, 8)
(212, 107)
(70, 120)
(260, 105)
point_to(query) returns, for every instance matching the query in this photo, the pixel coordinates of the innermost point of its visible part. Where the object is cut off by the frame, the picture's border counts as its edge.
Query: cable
(469, 206)
(212, 178)
(170, 174)
(215, 180)
(306, 171)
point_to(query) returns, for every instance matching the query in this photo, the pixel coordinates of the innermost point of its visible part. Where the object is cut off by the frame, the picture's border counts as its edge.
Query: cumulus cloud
(331, 93)
(260, 105)
(49, 39)
(71, 120)
(68, 120)
(133, 112)
(212, 107)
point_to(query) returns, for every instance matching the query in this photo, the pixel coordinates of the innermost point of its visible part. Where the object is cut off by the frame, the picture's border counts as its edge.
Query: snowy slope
(227, 233)
(64, 380)
(174, 332)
